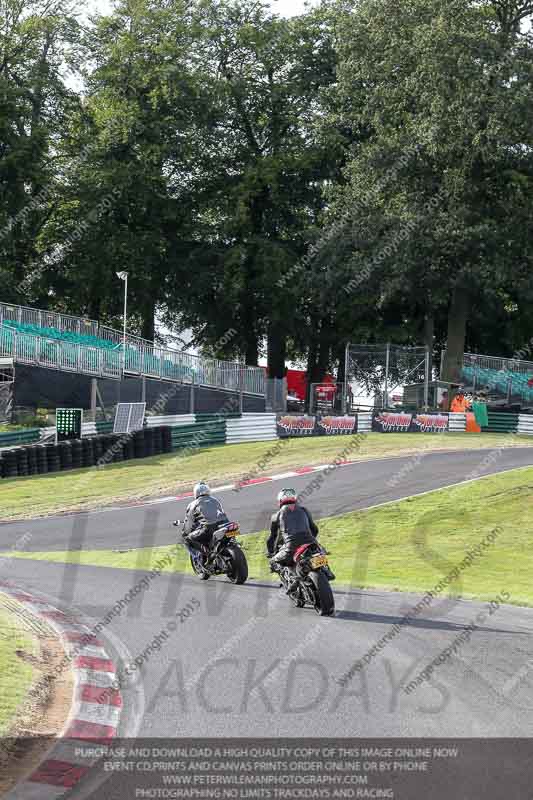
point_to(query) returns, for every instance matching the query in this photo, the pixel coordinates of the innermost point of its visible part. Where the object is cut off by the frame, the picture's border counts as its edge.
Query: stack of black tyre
(22, 460)
(52, 458)
(129, 449)
(149, 442)
(42, 461)
(88, 452)
(98, 448)
(117, 447)
(77, 453)
(65, 455)
(9, 464)
(166, 439)
(138, 444)
(157, 441)
(32, 461)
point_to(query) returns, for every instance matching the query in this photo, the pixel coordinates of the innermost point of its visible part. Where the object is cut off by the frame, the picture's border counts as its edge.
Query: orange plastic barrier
(471, 424)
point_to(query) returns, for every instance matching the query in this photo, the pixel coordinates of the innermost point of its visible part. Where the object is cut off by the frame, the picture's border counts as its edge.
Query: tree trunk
(94, 308)
(457, 319)
(319, 355)
(148, 322)
(324, 351)
(310, 370)
(248, 314)
(276, 351)
(429, 337)
(251, 349)
(340, 358)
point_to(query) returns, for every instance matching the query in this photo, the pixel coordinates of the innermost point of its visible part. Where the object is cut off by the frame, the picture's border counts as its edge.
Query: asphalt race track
(349, 488)
(246, 663)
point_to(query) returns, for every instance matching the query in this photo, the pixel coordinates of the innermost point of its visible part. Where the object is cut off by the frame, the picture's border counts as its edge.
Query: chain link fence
(376, 374)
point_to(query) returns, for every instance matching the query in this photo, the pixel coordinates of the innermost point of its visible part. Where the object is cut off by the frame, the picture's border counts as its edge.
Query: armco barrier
(200, 434)
(525, 424)
(170, 419)
(501, 422)
(22, 436)
(457, 423)
(87, 429)
(251, 428)
(364, 422)
(223, 415)
(103, 427)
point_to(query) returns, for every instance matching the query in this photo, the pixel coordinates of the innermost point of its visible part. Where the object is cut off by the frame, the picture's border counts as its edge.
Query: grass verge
(91, 488)
(17, 675)
(410, 545)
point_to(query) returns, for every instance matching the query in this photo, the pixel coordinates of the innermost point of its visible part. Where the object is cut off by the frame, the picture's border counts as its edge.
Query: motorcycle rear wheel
(324, 600)
(238, 572)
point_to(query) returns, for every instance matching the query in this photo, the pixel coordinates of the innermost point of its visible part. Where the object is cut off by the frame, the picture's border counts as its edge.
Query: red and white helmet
(287, 496)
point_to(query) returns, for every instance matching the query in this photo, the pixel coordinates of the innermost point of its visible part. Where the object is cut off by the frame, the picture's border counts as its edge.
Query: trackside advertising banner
(401, 422)
(430, 423)
(320, 425)
(294, 425)
(382, 422)
(333, 426)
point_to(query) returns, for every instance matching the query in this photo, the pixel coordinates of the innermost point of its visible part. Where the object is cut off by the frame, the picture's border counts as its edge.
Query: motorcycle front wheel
(196, 568)
(297, 599)
(324, 600)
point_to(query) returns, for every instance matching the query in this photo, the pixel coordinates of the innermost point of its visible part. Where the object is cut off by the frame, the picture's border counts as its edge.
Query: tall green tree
(36, 38)
(265, 167)
(128, 202)
(446, 85)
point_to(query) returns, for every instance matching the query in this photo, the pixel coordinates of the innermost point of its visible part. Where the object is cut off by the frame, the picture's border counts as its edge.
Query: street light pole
(124, 277)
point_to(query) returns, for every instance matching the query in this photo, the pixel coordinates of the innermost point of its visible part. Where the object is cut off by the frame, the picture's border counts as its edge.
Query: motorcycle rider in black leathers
(290, 527)
(203, 516)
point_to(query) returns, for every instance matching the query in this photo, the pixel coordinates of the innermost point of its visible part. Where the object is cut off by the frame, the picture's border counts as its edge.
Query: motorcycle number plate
(229, 534)
(319, 561)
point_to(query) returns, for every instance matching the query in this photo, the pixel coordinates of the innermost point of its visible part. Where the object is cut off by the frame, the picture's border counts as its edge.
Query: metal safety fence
(139, 357)
(509, 379)
(27, 348)
(48, 319)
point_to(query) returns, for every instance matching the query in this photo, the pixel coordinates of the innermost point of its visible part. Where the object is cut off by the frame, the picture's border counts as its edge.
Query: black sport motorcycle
(222, 556)
(308, 582)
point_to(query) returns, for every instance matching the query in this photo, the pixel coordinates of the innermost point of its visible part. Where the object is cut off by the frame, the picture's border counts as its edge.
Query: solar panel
(122, 415)
(136, 421)
(129, 417)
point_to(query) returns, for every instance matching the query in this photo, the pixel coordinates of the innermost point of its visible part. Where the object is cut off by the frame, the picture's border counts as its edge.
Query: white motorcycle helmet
(201, 490)
(287, 496)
